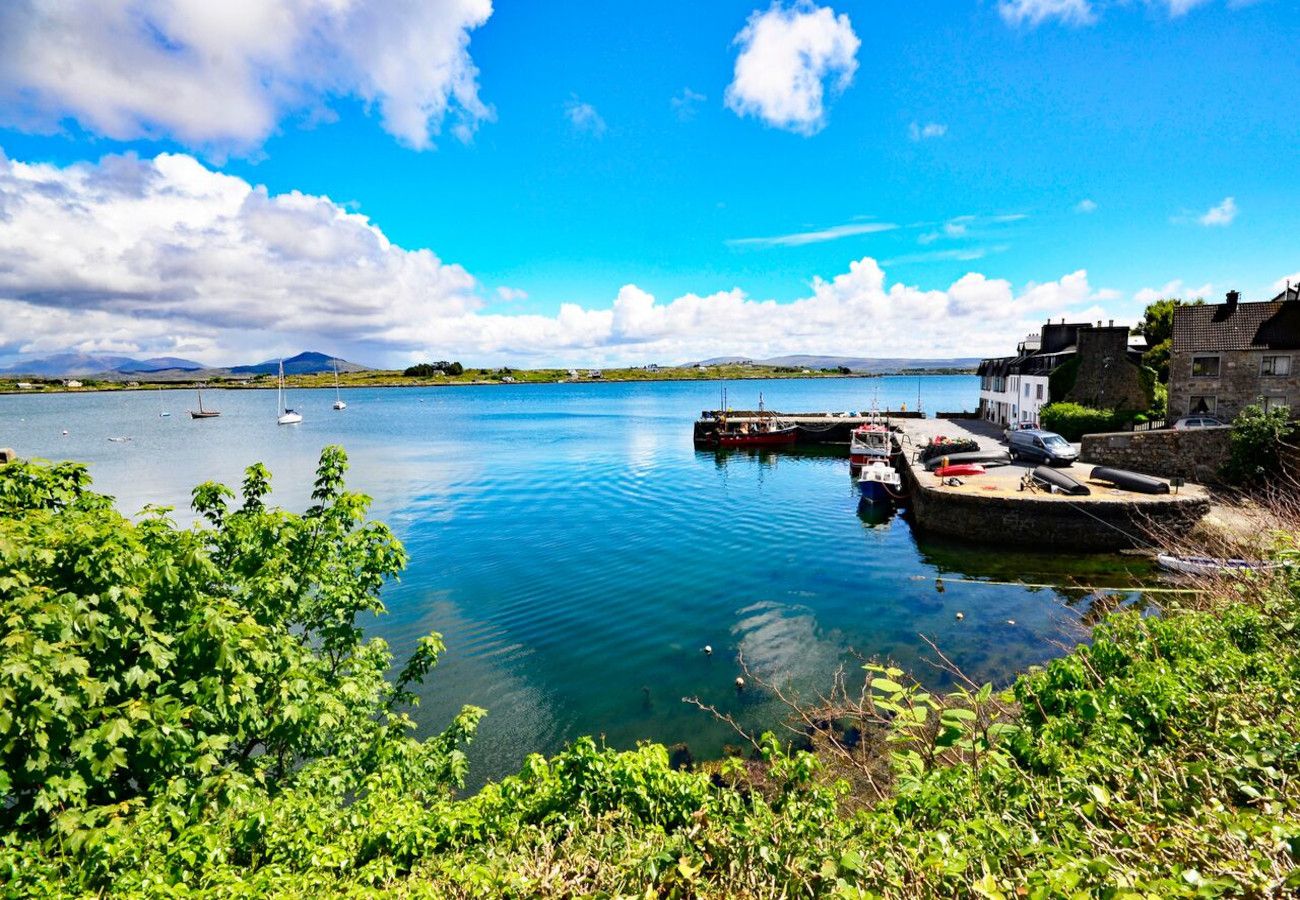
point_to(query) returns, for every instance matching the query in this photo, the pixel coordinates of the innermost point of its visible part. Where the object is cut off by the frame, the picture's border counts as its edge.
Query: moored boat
(202, 413)
(870, 443)
(1208, 565)
(774, 436)
(879, 482)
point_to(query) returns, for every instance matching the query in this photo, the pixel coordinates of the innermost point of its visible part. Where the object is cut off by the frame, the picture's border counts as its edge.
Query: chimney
(1233, 297)
(1111, 324)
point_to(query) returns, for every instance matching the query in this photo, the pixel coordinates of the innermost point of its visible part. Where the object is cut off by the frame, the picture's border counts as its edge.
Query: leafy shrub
(429, 370)
(1060, 381)
(1072, 420)
(1258, 441)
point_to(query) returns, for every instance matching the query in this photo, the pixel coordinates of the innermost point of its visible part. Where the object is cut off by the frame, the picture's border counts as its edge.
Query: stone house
(1226, 356)
(1014, 389)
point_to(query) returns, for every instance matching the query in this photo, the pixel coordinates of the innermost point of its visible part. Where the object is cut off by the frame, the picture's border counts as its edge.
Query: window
(1202, 405)
(1026, 390)
(1040, 392)
(1272, 403)
(1205, 367)
(1275, 365)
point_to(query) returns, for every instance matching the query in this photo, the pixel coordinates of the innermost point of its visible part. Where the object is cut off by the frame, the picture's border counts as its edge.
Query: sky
(538, 183)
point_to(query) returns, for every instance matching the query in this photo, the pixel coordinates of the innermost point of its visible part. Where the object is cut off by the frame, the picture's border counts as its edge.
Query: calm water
(576, 551)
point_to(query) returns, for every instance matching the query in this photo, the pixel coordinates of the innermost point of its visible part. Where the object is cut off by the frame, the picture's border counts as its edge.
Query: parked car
(1036, 445)
(1017, 426)
(1188, 422)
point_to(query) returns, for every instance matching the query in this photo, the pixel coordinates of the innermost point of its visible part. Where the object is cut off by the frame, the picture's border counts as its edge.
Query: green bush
(1072, 420)
(1259, 440)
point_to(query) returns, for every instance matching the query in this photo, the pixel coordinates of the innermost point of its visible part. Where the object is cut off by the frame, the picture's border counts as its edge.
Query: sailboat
(338, 400)
(162, 410)
(202, 413)
(287, 416)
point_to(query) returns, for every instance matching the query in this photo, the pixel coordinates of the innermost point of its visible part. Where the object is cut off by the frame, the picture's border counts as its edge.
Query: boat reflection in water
(875, 515)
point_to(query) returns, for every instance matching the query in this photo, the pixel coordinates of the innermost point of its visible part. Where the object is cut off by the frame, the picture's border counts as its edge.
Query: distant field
(394, 378)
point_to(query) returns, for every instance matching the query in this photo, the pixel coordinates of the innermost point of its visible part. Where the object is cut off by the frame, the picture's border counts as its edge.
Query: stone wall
(1107, 378)
(1041, 523)
(1196, 455)
(1237, 386)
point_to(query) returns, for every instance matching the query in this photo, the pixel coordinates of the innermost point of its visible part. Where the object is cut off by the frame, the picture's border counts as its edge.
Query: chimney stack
(1233, 297)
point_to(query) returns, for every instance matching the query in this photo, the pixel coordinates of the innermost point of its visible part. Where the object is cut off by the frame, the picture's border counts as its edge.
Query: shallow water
(577, 552)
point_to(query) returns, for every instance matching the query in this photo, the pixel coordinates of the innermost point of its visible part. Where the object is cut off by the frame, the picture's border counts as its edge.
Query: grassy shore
(394, 378)
(190, 712)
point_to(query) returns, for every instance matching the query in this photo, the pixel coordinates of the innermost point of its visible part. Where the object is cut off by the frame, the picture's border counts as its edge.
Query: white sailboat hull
(339, 404)
(289, 418)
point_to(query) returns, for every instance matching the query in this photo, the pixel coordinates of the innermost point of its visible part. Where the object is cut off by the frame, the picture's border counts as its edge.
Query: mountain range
(65, 365)
(863, 364)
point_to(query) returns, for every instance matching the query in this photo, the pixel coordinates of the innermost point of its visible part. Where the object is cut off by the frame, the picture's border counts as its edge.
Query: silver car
(1036, 445)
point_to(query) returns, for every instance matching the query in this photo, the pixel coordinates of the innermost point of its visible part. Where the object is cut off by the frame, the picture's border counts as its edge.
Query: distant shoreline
(386, 379)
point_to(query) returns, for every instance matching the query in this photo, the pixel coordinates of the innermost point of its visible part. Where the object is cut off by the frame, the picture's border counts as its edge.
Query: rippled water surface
(576, 551)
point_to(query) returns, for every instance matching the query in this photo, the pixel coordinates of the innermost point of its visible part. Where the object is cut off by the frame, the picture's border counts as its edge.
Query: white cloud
(686, 103)
(1174, 288)
(918, 132)
(1287, 281)
(1085, 206)
(799, 239)
(583, 117)
(1223, 214)
(167, 256)
(1180, 7)
(219, 77)
(1036, 12)
(787, 54)
(511, 295)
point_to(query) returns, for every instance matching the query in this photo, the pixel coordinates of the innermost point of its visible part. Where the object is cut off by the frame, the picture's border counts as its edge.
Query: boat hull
(780, 437)
(289, 419)
(203, 415)
(874, 492)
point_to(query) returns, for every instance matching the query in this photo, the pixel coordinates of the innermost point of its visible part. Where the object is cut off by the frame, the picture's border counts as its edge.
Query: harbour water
(577, 552)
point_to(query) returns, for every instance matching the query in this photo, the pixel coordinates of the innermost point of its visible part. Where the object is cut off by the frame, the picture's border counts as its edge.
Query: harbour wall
(1195, 455)
(1050, 523)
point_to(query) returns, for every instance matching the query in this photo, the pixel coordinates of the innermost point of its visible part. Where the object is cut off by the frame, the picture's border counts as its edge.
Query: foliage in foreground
(1159, 761)
(1259, 440)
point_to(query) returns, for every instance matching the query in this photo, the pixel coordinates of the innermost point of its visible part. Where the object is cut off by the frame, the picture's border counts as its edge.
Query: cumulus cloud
(210, 77)
(1287, 281)
(1223, 214)
(1085, 206)
(918, 132)
(584, 117)
(787, 56)
(1175, 288)
(1036, 12)
(164, 255)
(511, 294)
(686, 103)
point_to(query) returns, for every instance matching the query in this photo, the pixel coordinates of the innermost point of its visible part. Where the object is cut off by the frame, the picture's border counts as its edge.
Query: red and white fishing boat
(763, 431)
(869, 443)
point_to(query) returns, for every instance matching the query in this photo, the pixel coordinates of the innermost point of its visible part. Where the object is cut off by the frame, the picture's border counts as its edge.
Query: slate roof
(1246, 326)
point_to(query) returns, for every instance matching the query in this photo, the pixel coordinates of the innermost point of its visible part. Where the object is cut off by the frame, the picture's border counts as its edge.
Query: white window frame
(1274, 357)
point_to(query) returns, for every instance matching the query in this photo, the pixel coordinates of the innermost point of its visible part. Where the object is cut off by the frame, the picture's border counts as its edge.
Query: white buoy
(1011, 621)
(960, 616)
(708, 649)
(65, 432)
(740, 683)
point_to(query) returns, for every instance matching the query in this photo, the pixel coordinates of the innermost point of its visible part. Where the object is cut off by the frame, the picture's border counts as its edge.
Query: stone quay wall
(1040, 523)
(1195, 455)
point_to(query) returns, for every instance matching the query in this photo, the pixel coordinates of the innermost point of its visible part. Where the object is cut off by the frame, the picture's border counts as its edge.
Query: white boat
(1209, 565)
(338, 400)
(162, 412)
(869, 443)
(287, 416)
(879, 482)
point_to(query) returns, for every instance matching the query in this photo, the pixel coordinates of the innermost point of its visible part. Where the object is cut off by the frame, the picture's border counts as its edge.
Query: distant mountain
(69, 364)
(159, 364)
(308, 363)
(866, 365)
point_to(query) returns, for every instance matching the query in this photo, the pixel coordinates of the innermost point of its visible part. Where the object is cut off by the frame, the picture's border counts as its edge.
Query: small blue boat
(879, 482)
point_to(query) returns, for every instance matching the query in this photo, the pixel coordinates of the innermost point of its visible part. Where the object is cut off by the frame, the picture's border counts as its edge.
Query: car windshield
(1056, 441)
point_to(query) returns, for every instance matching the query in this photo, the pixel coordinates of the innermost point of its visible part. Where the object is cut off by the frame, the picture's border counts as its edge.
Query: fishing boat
(1208, 565)
(202, 413)
(879, 482)
(287, 416)
(766, 431)
(338, 399)
(868, 443)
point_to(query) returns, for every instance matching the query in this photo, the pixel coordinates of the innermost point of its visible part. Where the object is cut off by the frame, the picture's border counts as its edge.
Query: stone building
(1226, 356)
(1014, 389)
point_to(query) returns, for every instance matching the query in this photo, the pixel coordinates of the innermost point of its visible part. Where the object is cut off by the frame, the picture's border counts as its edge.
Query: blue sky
(956, 140)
